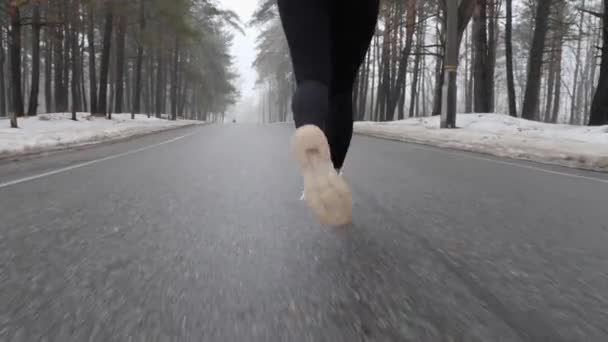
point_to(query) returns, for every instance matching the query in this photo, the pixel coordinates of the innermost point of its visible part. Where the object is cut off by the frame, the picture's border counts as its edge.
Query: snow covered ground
(55, 131)
(502, 135)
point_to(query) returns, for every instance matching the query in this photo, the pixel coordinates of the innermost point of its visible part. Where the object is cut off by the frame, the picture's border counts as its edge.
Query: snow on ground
(55, 131)
(504, 136)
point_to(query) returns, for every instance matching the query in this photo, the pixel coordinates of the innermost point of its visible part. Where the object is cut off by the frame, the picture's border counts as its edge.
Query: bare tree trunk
(120, 62)
(535, 62)
(550, 80)
(36, 26)
(373, 85)
(174, 81)
(75, 77)
(440, 39)
(590, 84)
(58, 70)
(67, 43)
(385, 77)
(105, 59)
(483, 93)
(48, 73)
(92, 58)
(471, 77)
(558, 83)
(574, 106)
(159, 85)
(493, 30)
(410, 23)
(2, 75)
(139, 61)
(599, 107)
(509, 59)
(421, 32)
(15, 59)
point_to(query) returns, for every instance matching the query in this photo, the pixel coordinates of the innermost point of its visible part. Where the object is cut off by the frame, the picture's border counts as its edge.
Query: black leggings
(328, 40)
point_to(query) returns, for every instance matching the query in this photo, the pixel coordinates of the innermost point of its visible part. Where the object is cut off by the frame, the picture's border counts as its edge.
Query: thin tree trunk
(410, 23)
(531, 99)
(82, 89)
(15, 60)
(482, 96)
(105, 59)
(550, 81)
(493, 30)
(384, 80)
(159, 85)
(120, 62)
(471, 77)
(127, 108)
(509, 59)
(373, 85)
(75, 77)
(2, 75)
(36, 26)
(139, 61)
(92, 58)
(599, 108)
(590, 87)
(174, 81)
(558, 84)
(421, 32)
(67, 43)
(48, 73)
(440, 34)
(112, 82)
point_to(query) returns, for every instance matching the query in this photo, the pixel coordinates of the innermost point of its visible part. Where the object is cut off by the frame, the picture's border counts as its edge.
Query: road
(198, 234)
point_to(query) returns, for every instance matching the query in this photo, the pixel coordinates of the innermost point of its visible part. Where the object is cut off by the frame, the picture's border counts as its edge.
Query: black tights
(328, 40)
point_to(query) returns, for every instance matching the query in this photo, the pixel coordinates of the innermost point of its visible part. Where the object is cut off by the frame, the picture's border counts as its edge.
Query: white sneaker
(325, 192)
(303, 196)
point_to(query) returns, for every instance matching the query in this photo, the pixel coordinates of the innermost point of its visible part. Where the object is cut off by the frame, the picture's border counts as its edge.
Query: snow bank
(504, 136)
(47, 132)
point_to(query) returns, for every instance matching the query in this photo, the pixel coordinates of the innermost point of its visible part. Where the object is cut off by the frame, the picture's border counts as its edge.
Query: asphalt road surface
(198, 234)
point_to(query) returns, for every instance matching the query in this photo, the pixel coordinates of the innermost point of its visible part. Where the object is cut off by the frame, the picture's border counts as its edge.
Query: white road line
(77, 166)
(503, 162)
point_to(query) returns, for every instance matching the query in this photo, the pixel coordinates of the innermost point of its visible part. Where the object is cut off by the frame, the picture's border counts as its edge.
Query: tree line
(116, 56)
(542, 60)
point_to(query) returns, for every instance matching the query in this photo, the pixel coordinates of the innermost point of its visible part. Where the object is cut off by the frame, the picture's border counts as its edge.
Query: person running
(328, 40)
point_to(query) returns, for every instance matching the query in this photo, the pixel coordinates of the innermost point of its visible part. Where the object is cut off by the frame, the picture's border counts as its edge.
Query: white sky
(243, 48)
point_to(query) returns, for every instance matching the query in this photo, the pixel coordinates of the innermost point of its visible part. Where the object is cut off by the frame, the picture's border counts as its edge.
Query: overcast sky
(243, 48)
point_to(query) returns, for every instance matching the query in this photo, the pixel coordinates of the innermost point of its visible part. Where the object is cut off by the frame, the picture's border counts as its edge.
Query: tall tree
(509, 58)
(410, 23)
(2, 82)
(531, 99)
(15, 60)
(92, 57)
(105, 59)
(36, 27)
(482, 85)
(120, 62)
(74, 47)
(139, 62)
(599, 107)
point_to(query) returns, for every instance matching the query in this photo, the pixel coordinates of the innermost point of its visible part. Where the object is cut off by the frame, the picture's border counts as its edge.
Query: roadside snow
(504, 136)
(47, 132)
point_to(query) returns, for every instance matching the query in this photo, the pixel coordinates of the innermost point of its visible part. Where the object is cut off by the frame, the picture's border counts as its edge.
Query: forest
(116, 56)
(543, 60)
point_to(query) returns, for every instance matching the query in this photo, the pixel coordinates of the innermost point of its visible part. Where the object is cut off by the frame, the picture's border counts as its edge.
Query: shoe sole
(325, 192)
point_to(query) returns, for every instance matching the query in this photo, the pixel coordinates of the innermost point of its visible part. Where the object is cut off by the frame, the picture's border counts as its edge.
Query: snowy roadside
(49, 132)
(504, 136)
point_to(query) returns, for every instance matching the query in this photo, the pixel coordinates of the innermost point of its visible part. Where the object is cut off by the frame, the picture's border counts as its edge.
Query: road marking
(503, 162)
(96, 161)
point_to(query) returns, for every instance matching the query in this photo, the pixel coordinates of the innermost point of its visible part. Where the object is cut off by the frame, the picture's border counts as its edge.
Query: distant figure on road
(328, 40)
